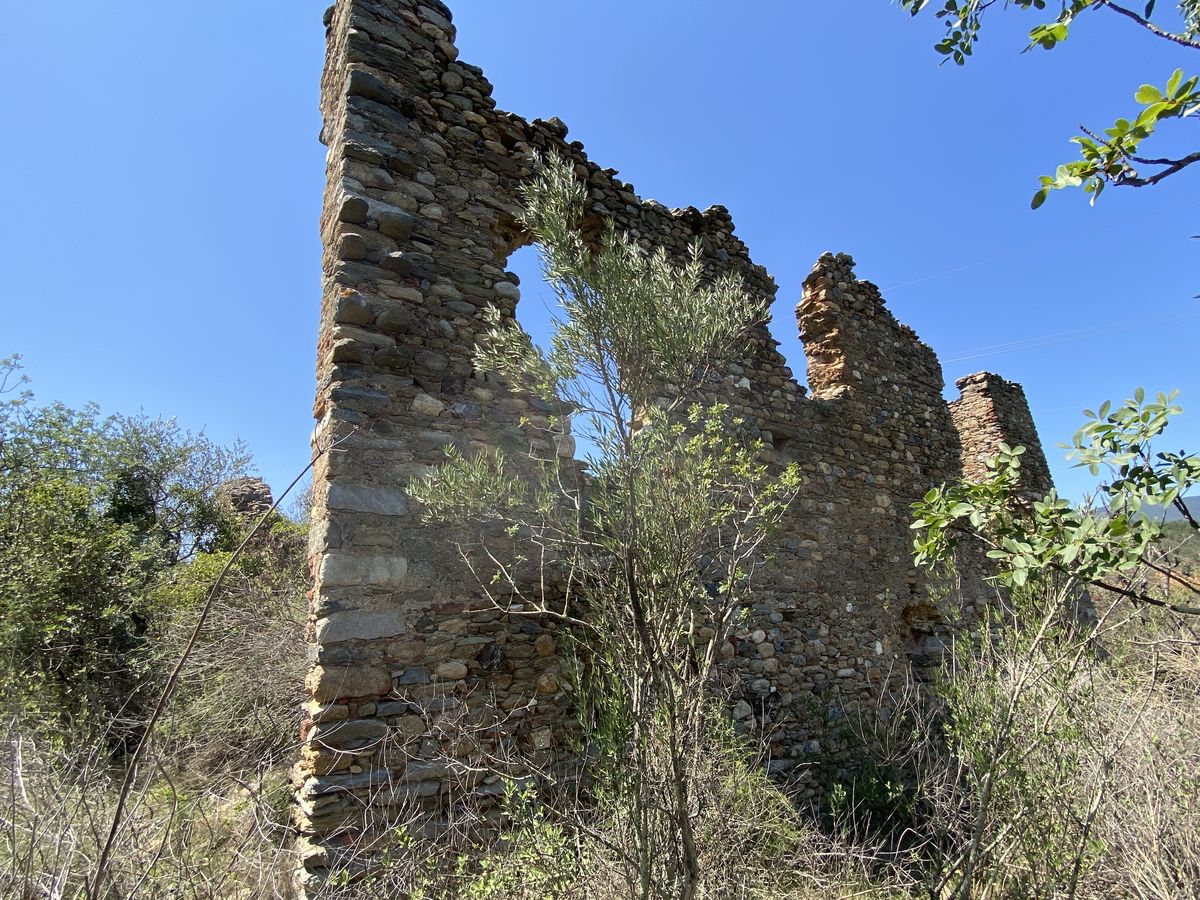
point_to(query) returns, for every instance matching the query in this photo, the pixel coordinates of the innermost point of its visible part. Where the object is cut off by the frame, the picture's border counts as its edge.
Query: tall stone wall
(417, 679)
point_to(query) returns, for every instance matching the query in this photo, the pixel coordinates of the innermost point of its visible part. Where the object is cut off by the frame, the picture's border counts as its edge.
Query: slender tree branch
(1173, 165)
(1128, 593)
(1150, 26)
(1181, 505)
(1144, 598)
(1176, 166)
(1174, 576)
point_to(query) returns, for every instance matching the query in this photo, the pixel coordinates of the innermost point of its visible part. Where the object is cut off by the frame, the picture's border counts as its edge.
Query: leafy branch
(1114, 157)
(1102, 548)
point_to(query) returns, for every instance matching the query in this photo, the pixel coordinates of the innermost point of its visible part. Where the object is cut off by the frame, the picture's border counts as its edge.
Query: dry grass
(1100, 775)
(212, 830)
(181, 840)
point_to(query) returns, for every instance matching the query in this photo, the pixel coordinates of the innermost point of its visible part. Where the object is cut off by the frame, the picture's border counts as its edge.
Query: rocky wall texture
(419, 685)
(990, 411)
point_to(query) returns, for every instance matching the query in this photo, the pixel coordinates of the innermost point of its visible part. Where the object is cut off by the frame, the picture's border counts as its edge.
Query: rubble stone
(421, 215)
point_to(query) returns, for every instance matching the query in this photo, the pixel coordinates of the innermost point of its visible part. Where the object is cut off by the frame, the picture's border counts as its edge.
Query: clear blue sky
(163, 187)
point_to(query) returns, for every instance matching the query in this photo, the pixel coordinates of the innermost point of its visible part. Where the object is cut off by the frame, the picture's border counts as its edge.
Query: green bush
(93, 511)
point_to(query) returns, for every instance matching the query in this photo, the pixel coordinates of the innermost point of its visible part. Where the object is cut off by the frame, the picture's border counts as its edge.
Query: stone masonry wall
(416, 680)
(991, 411)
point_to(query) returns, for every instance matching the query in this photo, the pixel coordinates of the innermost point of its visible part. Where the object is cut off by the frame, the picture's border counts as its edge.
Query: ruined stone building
(420, 217)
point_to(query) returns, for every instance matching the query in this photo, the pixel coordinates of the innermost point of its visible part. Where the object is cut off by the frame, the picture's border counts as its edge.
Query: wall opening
(784, 330)
(535, 309)
(536, 313)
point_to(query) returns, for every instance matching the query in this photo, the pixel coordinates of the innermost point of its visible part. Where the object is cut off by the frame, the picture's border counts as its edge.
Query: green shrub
(93, 511)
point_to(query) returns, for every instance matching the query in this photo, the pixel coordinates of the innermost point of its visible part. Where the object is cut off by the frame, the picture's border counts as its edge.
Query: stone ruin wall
(414, 675)
(991, 411)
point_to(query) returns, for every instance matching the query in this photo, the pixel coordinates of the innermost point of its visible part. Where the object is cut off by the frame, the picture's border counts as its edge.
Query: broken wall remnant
(416, 677)
(991, 411)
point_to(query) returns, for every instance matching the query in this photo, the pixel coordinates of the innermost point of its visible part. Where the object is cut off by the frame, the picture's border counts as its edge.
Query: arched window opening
(538, 312)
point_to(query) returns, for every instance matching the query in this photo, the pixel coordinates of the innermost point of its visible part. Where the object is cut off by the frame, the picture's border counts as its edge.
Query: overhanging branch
(1150, 26)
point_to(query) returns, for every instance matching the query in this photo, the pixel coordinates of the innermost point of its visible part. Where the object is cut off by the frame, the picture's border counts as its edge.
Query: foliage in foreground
(93, 511)
(111, 529)
(1075, 741)
(210, 809)
(753, 845)
(1109, 547)
(1115, 157)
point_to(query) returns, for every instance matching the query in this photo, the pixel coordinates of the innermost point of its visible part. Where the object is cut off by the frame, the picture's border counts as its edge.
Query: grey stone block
(352, 309)
(367, 498)
(396, 224)
(341, 569)
(353, 210)
(352, 247)
(338, 734)
(365, 626)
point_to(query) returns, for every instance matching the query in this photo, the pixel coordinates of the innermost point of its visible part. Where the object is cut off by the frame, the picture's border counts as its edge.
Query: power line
(982, 262)
(1024, 250)
(1034, 343)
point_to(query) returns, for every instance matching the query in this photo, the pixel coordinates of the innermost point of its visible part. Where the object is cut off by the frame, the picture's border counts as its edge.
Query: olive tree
(648, 559)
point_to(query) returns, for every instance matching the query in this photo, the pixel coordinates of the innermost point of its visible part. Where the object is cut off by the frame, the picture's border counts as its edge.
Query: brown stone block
(335, 683)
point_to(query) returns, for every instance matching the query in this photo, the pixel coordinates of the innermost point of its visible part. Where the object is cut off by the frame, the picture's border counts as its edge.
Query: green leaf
(1039, 198)
(1173, 82)
(1148, 94)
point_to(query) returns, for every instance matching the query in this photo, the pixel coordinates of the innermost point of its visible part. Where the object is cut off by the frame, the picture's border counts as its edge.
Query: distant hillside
(1183, 544)
(1171, 514)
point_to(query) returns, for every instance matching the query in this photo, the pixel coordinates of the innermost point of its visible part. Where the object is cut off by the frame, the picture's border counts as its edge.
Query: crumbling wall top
(992, 410)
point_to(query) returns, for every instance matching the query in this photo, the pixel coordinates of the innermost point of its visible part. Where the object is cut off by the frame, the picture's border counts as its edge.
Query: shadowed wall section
(417, 682)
